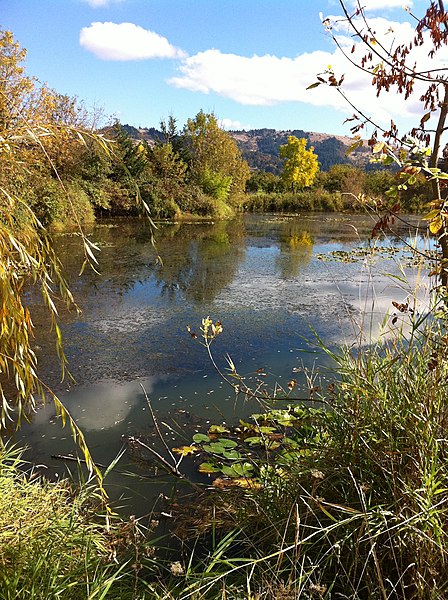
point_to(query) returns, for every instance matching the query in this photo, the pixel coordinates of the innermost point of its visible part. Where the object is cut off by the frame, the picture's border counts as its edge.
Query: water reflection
(199, 261)
(296, 250)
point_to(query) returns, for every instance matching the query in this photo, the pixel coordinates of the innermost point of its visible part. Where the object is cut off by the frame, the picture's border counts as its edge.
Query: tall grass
(53, 544)
(364, 512)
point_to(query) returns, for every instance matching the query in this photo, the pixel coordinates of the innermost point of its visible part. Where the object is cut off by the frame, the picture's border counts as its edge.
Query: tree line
(68, 168)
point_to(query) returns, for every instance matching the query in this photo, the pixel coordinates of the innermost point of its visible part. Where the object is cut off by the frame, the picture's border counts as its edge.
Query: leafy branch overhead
(405, 68)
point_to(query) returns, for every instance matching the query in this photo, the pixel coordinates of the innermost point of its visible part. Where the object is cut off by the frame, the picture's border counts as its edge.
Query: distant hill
(261, 147)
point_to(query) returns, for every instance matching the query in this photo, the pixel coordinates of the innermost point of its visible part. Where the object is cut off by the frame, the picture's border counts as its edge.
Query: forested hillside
(261, 147)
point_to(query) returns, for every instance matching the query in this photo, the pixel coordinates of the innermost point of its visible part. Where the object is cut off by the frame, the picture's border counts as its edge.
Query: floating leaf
(232, 454)
(200, 437)
(238, 470)
(208, 468)
(218, 429)
(227, 443)
(253, 441)
(185, 450)
(214, 448)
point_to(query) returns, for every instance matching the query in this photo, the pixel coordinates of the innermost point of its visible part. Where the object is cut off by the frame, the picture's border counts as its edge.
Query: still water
(271, 280)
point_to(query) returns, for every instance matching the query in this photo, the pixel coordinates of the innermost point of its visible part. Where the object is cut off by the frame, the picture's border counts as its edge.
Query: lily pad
(217, 429)
(232, 454)
(214, 448)
(227, 443)
(238, 470)
(199, 438)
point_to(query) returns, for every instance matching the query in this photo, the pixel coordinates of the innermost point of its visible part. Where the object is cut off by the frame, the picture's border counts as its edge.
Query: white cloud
(99, 3)
(126, 41)
(233, 125)
(257, 80)
(269, 80)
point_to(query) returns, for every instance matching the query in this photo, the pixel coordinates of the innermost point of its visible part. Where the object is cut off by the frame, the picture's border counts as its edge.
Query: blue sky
(249, 61)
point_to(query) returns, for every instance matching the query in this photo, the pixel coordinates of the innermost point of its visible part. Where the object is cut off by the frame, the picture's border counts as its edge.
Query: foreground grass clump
(53, 545)
(358, 507)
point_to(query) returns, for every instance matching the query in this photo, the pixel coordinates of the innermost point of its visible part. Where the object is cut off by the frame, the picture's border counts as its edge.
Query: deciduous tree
(215, 156)
(301, 165)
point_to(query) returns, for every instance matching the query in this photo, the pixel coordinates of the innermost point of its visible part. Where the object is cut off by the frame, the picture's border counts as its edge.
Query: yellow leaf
(378, 147)
(185, 450)
(436, 224)
(431, 215)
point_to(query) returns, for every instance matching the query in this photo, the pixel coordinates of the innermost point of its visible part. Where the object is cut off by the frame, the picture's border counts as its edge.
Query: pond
(275, 283)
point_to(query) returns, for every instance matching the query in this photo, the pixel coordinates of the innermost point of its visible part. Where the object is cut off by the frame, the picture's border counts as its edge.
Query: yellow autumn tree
(301, 165)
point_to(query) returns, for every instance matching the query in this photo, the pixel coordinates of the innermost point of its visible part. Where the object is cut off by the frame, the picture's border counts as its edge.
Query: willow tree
(301, 165)
(34, 123)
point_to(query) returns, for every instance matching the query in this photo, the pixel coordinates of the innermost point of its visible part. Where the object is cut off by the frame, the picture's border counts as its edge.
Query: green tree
(301, 165)
(214, 158)
(263, 181)
(347, 179)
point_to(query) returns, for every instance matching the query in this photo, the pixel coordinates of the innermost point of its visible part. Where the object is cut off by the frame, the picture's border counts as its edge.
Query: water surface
(270, 280)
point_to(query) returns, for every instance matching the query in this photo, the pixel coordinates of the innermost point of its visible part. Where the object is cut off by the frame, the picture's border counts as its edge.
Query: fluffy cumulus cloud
(257, 80)
(126, 41)
(268, 80)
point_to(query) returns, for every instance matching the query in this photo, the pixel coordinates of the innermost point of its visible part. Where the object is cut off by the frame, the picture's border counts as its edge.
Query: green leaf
(214, 448)
(238, 470)
(354, 147)
(267, 430)
(232, 455)
(253, 441)
(217, 429)
(200, 437)
(227, 443)
(313, 85)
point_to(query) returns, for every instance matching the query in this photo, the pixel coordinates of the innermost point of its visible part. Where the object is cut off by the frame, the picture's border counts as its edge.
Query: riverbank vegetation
(70, 166)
